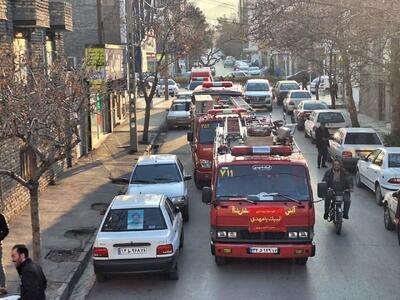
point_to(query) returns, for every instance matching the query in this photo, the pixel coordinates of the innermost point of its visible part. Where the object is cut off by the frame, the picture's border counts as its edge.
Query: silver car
(293, 99)
(351, 144)
(390, 206)
(179, 113)
(257, 93)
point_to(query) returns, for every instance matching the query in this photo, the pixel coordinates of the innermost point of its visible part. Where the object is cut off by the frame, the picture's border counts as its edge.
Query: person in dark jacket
(339, 180)
(33, 281)
(4, 230)
(322, 143)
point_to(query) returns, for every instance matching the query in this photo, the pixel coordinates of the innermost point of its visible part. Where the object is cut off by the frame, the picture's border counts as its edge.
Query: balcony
(3, 10)
(60, 16)
(31, 13)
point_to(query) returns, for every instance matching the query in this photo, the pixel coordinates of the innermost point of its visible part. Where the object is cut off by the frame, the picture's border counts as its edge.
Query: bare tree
(175, 27)
(39, 111)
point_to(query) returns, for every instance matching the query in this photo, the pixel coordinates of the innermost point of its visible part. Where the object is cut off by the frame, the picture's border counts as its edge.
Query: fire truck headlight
(232, 234)
(303, 234)
(205, 163)
(292, 234)
(221, 234)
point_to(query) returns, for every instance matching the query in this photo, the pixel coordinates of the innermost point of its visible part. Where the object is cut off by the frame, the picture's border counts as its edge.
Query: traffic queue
(243, 163)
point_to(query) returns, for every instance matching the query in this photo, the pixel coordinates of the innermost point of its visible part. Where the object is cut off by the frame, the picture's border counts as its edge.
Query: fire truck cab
(261, 201)
(202, 140)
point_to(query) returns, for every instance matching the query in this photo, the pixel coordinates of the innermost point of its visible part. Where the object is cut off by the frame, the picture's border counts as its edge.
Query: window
(314, 106)
(331, 117)
(298, 95)
(179, 107)
(373, 155)
(289, 86)
(157, 173)
(135, 219)
(394, 160)
(245, 180)
(207, 132)
(257, 86)
(379, 159)
(362, 138)
(180, 166)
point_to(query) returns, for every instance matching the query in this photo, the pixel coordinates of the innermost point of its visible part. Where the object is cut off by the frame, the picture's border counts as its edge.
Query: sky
(218, 8)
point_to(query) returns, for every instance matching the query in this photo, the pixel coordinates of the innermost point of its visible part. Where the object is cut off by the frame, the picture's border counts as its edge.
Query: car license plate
(130, 251)
(261, 250)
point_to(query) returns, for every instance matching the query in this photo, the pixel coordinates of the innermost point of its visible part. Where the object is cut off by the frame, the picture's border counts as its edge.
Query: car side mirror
(189, 136)
(167, 109)
(322, 189)
(206, 195)
(187, 177)
(366, 159)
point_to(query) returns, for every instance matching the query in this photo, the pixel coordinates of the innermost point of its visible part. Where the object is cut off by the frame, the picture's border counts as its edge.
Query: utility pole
(130, 26)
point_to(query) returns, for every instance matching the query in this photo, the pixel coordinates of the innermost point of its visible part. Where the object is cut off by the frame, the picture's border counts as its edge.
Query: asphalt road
(362, 263)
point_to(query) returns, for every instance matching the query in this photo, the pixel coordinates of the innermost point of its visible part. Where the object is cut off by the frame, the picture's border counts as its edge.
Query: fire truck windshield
(207, 132)
(278, 180)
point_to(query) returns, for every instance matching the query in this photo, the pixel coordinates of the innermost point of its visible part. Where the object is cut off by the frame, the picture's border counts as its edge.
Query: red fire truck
(202, 137)
(260, 196)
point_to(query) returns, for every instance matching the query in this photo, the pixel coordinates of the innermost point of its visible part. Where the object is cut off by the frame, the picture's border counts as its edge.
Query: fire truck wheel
(220, 260)
(301, 261)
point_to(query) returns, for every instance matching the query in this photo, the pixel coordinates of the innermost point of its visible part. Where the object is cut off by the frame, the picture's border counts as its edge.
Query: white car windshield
(394, 160)
(157, 173)
(331, 117)
(138, 219)
(362, 138)
(257, 86)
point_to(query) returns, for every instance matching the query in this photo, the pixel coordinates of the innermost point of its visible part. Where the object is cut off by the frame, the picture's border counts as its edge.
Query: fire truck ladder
(239, 102)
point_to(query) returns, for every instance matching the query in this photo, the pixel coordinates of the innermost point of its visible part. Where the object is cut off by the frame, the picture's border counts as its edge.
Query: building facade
(33, 29)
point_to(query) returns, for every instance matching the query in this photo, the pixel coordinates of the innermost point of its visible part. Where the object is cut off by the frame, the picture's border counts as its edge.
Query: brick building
(34, 28)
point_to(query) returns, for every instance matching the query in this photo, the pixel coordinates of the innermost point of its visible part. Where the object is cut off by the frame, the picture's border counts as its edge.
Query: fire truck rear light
(394, 180)
(209, 84)
(100, 252)
(347, 154)
(261, 150)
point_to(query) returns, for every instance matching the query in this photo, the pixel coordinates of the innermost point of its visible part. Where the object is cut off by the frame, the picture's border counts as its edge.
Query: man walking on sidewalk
(4, 230)
(322, 143)
(33, 281)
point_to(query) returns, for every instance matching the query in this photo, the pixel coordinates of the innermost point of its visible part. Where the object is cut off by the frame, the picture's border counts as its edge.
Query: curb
(66, 289)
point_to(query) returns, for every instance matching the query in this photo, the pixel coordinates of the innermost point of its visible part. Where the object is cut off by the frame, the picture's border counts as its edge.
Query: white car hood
(170, 189)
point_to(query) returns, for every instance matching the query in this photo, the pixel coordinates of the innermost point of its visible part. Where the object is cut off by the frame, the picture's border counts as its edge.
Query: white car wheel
(358, 179)
(378, 195)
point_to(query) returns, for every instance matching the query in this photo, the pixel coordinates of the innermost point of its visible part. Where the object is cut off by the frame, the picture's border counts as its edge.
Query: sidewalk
(71, 209)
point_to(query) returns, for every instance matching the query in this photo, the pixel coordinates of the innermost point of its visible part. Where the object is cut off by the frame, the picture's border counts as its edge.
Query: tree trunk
(351, 106)
(395, 85)
(145, 138)
(35, 220)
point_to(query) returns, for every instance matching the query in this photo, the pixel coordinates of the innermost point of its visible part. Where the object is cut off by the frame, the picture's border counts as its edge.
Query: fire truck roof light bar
(209, 84)
(226, 111)
(261, 150)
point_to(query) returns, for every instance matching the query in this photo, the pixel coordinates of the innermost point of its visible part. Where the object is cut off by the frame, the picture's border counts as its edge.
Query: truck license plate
(262, 250)
(129, 251)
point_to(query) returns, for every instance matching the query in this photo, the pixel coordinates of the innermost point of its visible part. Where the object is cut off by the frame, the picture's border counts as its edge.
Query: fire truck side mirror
(190, 136)
(322, 189)
(206, 195)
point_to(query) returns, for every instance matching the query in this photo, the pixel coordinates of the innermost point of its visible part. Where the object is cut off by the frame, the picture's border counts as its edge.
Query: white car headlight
(178, 199)
(205, 163)
(292, 234)
(221, 234)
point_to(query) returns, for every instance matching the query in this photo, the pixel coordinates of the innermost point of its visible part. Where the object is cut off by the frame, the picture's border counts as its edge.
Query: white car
(184, 95)
(351, 144)
(139, 233)
(258, 94)
(254, 71)
(380, 172)
(323, 83)
(179, 113)
(173, 88)
(333, 119)
(161, 174)
(390, 203)
(293, 99)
